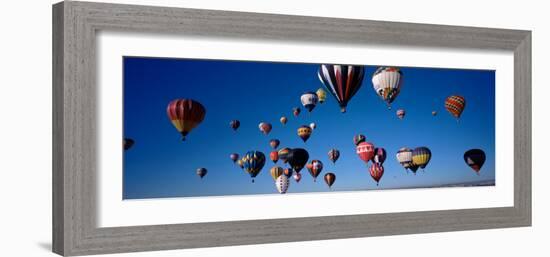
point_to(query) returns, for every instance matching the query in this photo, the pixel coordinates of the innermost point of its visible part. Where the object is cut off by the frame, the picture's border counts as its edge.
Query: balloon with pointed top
(297, 176)
(274, 143)
(475, 158)
(265, 127)
(283, 154)
(185, 115)
(387, 82)
(274, 156)
(329, 179)
(359, 138)
(201, 172)
(283, 120)
(365, 151)
(304, 132)
(400, 114)
(333, 155)
(455, 105)
(253, 162)
(234, 124)
(322, 94)
(282, 183)
(296, 111)
(342, 81)
(315, 167)
(376, 171)
(127, 143)
(234, 157)
(275, 172)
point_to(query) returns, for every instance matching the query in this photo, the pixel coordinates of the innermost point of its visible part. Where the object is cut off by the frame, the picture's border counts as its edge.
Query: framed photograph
(184, 128)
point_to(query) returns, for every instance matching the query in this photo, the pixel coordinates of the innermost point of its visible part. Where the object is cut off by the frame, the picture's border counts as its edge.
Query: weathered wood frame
(75, 25)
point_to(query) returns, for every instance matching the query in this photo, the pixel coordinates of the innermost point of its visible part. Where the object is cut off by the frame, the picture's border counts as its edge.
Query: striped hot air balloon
(253, 162)
(400, 114)
(315, 167)
(275, 172)
(322, 94)
(376, 172)
(404, 157)
(283, 154)
(359, 138)
(365, 151)
(387, 82)
(421, 156)
(185, 115)
(475, 158)
(455, 105)
(304, 132)
(342, 81)
(333, 155)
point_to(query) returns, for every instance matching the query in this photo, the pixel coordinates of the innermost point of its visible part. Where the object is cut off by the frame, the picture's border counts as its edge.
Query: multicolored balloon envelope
(315, 167)
(365, 151)
(342, 81)
(359, 138)
(265, 127)
(421, 156)
(282, 183)
(404, 157)
(379, 155)
(275, 172)
(333, 155)
(455, 105)
(376, 172)
(387, 82)
(185, 115)
(283, 154)
(309, 100)
(304, 132)
(475, 158)
(329, 179)
(253, 162)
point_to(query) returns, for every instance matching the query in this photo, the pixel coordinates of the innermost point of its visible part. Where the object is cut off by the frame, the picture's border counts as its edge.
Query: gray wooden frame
(75, 25)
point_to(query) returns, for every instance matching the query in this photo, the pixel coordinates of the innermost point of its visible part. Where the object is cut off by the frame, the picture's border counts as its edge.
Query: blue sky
(161, 165)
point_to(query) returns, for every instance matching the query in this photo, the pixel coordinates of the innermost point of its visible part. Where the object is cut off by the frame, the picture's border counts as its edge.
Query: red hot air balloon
(376, 172)
(274, 156)
(185, 115)
(265, 127)
(329, 179)
(274, 143)
(315, 167)
(455, 105)
(365, 151)
(235, 124)
(296, 111)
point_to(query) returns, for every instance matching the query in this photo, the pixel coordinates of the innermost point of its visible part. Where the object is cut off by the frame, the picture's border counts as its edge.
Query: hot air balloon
(333, 155)
(315, 167)
(322, 94)
(127, 143)
(304, 132)
(475, 158)
(201, 172)
(359, 138)
(282, 184)
(387, 82)
(283, 120)
(235, 124)
(253, 162)
(265, 127)
(379, 155)
(287, 172)
(455, 104)
(376, 172)
(185, 115)
(283, 154)
(296, 111)
(313, 125)
(342, 81)
(274, 143)
(404, 157)
(297, 176)
(275, 172)
(309, 100)
(274, 156)
(329, 179)
(297, 158)
(421, 156)
(365, 150)
(434, 113)
(400, 114)
(234, 157)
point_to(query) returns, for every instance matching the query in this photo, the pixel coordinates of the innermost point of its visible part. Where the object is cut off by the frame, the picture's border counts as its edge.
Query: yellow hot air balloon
(275, 172)
(322, 95)
(304, 132)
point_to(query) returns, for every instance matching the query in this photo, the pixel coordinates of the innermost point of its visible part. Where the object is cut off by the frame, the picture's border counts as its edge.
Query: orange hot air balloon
(329, 179)
(455, 105)
(274, 156)
(185, 115)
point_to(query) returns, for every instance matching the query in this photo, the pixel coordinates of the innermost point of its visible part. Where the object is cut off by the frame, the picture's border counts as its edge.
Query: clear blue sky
(161, 165)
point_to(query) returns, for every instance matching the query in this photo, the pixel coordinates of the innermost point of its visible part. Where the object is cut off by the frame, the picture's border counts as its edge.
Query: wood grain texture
(75, 25)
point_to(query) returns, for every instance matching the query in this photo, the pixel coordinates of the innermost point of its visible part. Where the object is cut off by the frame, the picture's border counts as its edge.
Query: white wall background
(25, 131)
